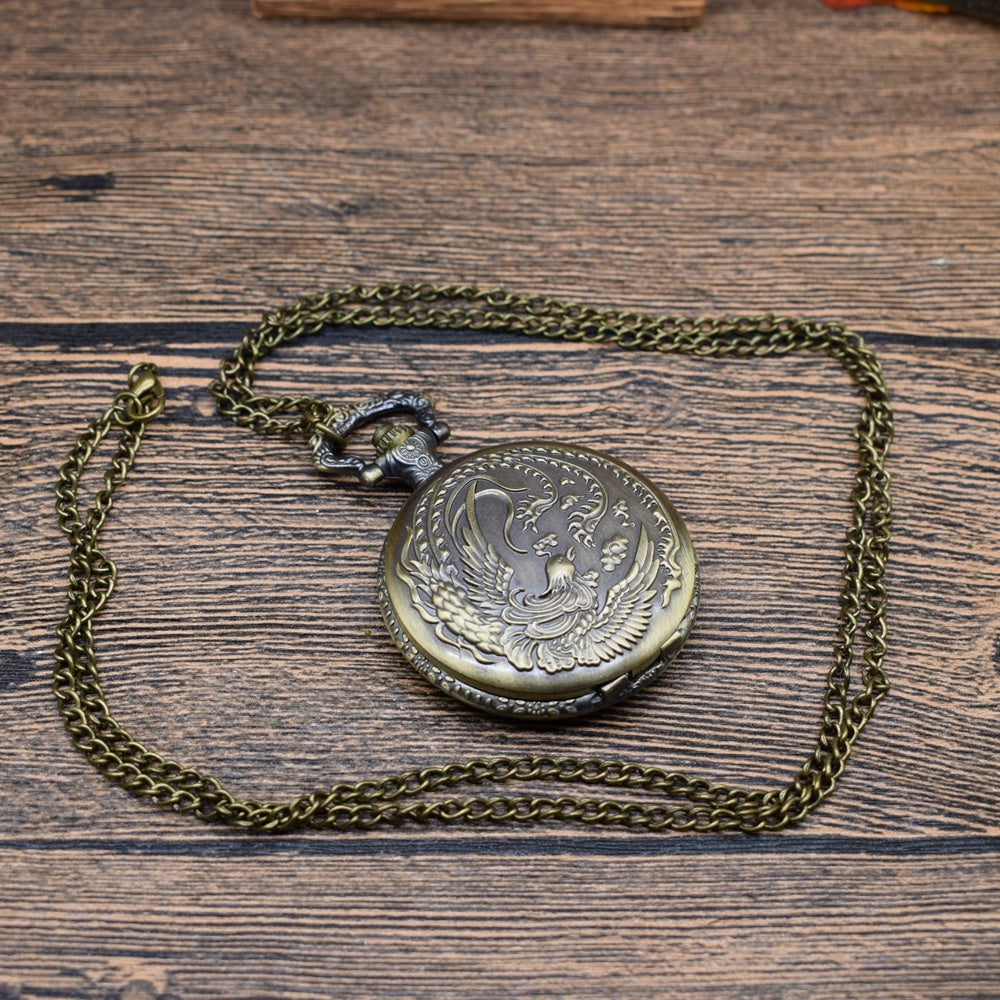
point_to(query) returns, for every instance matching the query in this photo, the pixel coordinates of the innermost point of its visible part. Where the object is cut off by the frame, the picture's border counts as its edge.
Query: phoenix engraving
(486, 594)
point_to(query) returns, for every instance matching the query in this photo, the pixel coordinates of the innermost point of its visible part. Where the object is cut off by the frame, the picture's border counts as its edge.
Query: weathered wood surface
(159, 187)
(244, 638)
(622, 13)
(570, 923)
(780, 156)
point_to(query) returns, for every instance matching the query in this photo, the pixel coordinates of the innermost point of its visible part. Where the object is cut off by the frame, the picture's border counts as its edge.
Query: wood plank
(220, 172)
(631, 13)
(244, 637)
(463, 925)
(780, 157)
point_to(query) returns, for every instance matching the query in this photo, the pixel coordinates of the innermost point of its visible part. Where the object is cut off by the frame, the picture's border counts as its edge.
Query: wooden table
(170, 170)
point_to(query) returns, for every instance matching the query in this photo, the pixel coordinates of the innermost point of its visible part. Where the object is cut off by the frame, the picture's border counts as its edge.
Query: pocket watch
(533, 579)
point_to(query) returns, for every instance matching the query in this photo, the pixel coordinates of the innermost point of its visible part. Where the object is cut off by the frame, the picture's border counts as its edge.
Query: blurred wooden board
(217, 173)
(622, 13)
(160, 186)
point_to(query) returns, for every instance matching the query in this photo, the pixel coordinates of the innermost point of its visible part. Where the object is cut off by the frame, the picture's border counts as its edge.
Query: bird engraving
(486, 594)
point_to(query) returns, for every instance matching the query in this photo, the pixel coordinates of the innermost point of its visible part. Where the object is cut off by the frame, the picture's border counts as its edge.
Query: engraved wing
(487, 575)
(467, 603)
(625, 614)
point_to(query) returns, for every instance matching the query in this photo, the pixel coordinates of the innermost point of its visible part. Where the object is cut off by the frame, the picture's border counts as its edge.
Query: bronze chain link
(687, 803)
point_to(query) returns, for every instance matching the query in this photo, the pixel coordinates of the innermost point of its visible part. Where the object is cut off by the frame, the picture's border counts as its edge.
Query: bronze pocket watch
(534, 579)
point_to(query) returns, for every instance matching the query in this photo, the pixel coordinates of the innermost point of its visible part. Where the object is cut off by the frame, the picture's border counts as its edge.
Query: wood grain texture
(461, 924)
(630, 13)
(160, 185)
(245, 639)
(781, 156)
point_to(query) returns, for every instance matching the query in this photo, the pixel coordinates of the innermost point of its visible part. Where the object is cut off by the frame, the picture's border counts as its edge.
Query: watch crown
(389, 436)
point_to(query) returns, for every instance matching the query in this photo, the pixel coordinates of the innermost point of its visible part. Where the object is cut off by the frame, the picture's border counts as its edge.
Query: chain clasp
(145, 397)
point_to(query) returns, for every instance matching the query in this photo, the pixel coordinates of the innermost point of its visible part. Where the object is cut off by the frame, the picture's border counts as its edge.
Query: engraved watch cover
(538, 580)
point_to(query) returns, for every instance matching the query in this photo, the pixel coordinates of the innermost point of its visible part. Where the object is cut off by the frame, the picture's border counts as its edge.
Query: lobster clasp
(402, 453)
(144, 398)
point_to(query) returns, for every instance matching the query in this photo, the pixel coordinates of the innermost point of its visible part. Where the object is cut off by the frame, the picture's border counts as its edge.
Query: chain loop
(402, 798)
